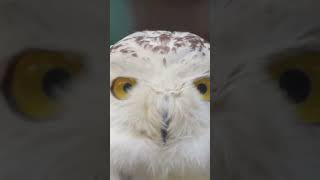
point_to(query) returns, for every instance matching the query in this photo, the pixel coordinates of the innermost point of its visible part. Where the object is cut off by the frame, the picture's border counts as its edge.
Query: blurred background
(128, 16)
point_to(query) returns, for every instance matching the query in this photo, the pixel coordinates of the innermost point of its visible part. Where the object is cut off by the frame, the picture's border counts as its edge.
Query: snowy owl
(52, 100)
(160, 107)
(265, 119)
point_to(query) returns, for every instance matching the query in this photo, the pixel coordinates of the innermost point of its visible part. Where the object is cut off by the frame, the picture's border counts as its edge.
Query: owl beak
(164, 105)
(164, 129)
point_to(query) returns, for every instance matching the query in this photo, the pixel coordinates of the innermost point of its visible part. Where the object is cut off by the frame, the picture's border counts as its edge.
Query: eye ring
(24, 81)
(203, 87)
(121, 87)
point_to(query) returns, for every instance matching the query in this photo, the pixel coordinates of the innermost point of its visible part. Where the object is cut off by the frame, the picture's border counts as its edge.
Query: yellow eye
(121, 86)
(298, 76)
(203, 86)
(35, 80)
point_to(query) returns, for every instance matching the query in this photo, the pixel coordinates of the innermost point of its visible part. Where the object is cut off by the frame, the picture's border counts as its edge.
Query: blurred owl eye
(36, 80)
(299, 78)
(121, 86)
(203, 86)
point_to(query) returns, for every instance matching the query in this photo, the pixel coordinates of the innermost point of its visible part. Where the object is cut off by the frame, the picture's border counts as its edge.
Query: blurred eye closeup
(36, 79)
(299, 78)
(203, 86)
(121, 86)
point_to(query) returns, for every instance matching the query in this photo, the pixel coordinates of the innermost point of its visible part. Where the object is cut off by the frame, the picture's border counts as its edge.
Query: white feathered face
(51, 72)
(160, 85)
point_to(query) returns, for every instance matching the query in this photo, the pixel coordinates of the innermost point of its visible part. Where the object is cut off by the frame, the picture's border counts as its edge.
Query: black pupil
(296, 84)
(202, 88)
(55, 81)
(127, 87)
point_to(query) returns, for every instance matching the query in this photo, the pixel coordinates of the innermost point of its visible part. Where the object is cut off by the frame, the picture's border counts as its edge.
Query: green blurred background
(127, 16)
(120, 19)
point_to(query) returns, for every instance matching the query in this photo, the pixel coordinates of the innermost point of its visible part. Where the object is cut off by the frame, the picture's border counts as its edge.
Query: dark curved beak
(164, 130)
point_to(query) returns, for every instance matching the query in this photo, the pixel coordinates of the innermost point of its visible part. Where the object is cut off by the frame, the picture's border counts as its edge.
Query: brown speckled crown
(161, 42)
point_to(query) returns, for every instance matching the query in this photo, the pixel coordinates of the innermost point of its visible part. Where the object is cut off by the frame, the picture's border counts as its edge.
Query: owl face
(266, 112)
(47, 65)
(160, 87)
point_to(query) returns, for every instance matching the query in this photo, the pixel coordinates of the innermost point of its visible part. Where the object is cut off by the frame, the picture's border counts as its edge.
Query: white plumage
(162, 130)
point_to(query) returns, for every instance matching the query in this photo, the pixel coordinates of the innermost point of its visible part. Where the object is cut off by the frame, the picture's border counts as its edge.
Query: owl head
(160, 85)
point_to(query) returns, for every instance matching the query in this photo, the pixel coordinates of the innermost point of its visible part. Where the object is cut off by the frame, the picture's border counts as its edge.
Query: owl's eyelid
(125, 77)
(196, 78)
